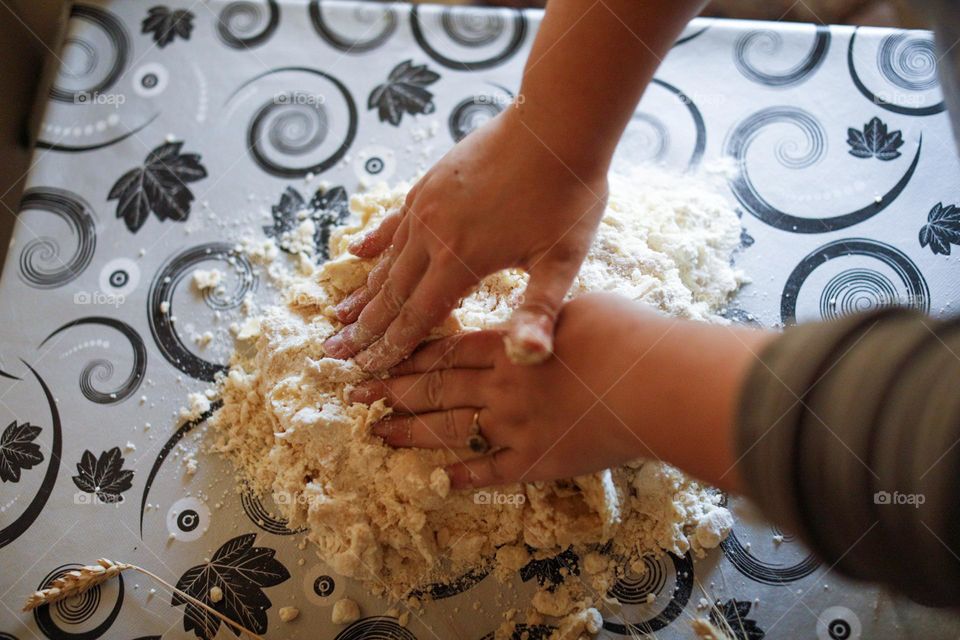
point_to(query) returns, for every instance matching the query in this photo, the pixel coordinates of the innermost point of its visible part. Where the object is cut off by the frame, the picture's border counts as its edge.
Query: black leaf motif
(942, 228)
(551, 570)
(241, 571)
(18, 451)
(733, 614)
(874, 141)
(404, 92)
(166, 25)
(327, 209)
(160, 185)
(105, 476)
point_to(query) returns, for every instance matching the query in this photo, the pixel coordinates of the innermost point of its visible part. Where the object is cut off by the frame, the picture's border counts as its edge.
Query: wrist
(532, 128)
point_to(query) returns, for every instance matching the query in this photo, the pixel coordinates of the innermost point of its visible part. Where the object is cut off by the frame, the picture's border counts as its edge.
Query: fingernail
(345, 310)
(459, 478)
(335, 347)
(381, 428)
(357, 245)
(365, 392)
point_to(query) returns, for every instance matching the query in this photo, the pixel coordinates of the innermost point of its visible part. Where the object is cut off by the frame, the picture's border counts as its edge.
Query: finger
(377, 315)
(529, 339)
(503, 466)
(469, 350)
(375, 242)
(429, 304)
(434, 391)
(434, 430)
(352, 306)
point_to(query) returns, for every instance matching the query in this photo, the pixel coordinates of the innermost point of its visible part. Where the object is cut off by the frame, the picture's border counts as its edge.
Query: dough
(386, 517)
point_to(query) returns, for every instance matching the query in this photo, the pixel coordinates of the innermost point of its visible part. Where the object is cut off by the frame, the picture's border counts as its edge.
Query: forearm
(587, 70)
(677, 389)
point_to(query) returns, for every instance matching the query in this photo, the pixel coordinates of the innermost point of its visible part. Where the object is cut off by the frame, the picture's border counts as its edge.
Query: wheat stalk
(706, 630)
(77, 581)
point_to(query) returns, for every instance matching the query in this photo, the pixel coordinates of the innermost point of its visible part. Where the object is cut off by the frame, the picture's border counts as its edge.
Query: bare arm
(527, 190)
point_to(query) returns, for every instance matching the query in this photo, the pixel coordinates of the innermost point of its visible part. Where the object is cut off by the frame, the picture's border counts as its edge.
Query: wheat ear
(77, 581)
(706, 630)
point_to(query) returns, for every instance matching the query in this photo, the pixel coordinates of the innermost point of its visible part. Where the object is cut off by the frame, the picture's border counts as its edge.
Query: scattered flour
(387, 517)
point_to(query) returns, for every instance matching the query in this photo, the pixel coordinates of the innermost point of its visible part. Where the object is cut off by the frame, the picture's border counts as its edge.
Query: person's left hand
(542, 422)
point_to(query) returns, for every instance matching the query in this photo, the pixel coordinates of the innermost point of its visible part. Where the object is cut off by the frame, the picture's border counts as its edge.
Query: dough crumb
(216, 594)
(345, 611)
(204, 280)
(288, 614)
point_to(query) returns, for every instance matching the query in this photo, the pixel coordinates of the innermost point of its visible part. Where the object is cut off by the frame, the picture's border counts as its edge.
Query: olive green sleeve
(849, 435)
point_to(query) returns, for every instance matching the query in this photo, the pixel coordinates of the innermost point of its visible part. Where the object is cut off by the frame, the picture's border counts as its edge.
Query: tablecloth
(171, 129)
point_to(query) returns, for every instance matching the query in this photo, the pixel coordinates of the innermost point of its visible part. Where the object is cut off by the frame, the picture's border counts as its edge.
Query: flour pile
(387, 517)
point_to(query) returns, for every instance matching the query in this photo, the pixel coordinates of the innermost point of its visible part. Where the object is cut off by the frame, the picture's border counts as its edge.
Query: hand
(543, 422)
(624, 383)
(498, 199)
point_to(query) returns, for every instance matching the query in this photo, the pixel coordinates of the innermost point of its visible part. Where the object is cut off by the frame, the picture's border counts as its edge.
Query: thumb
(529, 339)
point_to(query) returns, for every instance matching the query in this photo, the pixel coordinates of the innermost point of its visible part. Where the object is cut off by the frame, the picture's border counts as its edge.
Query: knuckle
(448, 358)
(449, 426)
(392, 301)
(411, 315)
(434, 388)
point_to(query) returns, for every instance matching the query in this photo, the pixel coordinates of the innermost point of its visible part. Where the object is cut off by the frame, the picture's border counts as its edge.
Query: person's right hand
(499, 199)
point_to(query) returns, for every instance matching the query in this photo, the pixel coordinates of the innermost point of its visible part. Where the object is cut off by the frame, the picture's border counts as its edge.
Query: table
(845, 155)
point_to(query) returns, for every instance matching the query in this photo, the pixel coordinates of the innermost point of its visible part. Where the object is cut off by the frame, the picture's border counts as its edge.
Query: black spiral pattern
(80, 608)
(680, 592)
(81, 148)
(472, 29)
(770, 42)
(470, 114)
(857, 287)
(794, 154)
(119, 42)
(906, 63)
(25, 520)
(168, 446)
(75, 610)
(103, 369)
(465, 582)
(468, 31)
(634, 590)
(376, 628)
(294, 124)
(855, 290)
(162, 289)
(772, 573)
(364, 14)
(259, 515)
(40, 263)
(700, 145)
(655, 137)
(238, 22)
(695, 33)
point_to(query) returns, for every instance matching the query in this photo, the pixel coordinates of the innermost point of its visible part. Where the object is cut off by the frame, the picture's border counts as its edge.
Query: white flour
(387, 517)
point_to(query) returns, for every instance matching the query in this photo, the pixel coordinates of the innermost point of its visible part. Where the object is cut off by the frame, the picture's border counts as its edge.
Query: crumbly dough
(388, 517)
(345, 611)
(288, 614)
